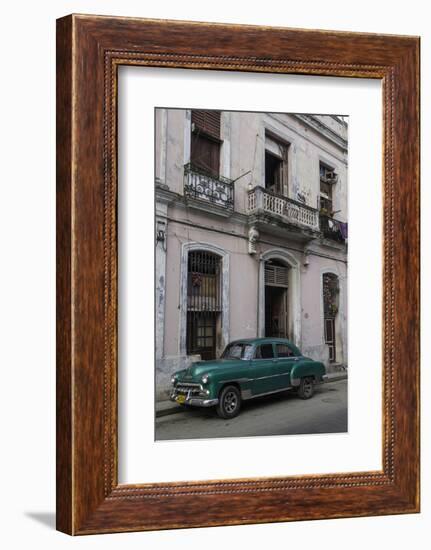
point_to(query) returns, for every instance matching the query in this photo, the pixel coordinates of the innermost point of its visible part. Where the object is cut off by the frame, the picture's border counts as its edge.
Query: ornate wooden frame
(89, 51)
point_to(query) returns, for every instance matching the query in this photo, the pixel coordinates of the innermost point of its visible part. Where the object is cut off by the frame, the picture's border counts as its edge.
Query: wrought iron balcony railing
(292, 211)
(204, 187)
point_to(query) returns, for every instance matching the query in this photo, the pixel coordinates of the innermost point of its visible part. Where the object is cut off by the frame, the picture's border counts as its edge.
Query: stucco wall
(312, 309)
(243, 272)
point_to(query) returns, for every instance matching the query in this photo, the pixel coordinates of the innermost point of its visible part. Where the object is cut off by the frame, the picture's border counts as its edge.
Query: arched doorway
(279, 296)
(276, 299)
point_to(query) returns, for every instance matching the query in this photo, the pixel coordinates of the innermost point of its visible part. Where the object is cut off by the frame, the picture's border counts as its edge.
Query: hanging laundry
(343, 229)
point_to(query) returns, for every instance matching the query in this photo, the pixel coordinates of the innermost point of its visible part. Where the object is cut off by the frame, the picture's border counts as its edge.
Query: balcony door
(206, 142)
(276, 167)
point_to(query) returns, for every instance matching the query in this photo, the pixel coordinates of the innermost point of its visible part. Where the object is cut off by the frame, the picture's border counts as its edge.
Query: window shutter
(276, 275)
(205, 145)
(207, 122)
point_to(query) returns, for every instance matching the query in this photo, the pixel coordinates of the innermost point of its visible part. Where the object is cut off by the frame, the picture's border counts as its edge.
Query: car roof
(262, 340)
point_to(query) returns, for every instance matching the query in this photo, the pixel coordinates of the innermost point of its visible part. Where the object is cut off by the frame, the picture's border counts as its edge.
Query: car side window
(283, 350)
(264, 351)
(235, 351)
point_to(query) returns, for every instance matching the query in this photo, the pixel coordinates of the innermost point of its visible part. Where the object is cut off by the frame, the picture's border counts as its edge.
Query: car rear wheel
(306, 388)
(229, 402)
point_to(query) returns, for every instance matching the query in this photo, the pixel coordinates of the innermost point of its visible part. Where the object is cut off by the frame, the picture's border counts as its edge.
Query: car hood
(198, 369)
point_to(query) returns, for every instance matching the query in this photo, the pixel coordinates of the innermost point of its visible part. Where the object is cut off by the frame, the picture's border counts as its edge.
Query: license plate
(180, 399)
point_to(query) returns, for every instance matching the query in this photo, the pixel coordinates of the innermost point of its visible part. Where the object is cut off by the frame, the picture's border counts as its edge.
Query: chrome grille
(188, 388)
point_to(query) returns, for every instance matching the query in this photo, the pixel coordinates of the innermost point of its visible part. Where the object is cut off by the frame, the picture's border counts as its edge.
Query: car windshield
(238, 351)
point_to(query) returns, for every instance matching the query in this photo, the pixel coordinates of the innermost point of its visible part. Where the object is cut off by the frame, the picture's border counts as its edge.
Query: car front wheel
(229, 402)
(306, 388)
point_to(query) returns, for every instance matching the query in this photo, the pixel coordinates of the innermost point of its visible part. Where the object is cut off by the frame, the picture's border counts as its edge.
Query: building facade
(251, 234)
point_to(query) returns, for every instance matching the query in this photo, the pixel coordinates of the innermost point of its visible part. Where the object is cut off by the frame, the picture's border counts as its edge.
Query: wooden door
(330, 337)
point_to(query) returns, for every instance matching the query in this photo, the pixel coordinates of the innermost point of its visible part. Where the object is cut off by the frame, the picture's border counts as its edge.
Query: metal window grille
(203, 303)
(330, 294)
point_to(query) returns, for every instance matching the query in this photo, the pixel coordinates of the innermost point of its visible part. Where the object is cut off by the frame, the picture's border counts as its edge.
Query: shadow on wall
(45, 518)
(166, 367)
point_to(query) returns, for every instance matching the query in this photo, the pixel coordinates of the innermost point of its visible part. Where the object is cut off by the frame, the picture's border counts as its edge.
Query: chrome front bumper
(190, 399)
(201, 402)
(195, 401)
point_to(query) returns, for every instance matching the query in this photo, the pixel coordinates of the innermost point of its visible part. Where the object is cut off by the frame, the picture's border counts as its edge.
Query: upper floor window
(205, 141)
(276, 167)
(328, 178)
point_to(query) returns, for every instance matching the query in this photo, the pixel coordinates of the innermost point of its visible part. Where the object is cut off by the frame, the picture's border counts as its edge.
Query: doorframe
(294, 292)
(225, 313)
(340, 329)
(283, 298)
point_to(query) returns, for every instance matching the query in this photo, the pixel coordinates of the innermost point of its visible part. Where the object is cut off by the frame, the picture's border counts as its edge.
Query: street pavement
(281, 414)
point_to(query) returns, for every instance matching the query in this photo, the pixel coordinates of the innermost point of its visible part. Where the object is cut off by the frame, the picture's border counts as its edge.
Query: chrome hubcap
(230, 402)
(308, 388)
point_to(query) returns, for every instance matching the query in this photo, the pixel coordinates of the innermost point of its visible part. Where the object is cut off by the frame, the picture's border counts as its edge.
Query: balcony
(333, 229)
(278, 210)
(208, 192)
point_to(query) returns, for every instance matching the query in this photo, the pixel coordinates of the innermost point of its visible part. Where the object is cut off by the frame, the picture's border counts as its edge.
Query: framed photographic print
(237, 274)
(242, 256)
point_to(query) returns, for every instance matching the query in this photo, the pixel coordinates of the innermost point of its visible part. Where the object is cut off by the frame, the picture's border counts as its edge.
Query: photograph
(251, 273)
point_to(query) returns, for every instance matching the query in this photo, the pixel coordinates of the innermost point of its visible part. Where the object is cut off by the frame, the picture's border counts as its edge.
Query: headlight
(205, 379)
(173, 379)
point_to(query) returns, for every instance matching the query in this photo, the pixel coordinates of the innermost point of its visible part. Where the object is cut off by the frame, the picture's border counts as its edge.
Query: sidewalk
(164, 408)
(335, 376)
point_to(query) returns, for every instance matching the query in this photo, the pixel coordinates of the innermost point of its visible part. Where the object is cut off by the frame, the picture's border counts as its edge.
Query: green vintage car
(247, 369)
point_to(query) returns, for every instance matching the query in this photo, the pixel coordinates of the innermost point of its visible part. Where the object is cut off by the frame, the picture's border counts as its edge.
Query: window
(331, 291)
(283, 350)
(264, 351)
(276, 274)
(203, 303)
(205, 141)
(276, 173)
(328, 178)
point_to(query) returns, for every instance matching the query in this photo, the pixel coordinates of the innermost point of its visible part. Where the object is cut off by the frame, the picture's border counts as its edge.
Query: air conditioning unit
(331, 177)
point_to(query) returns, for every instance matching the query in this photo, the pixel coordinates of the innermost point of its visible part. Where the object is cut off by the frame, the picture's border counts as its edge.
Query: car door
(263, 369)
(285, 360)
